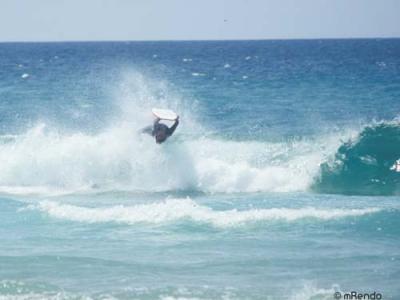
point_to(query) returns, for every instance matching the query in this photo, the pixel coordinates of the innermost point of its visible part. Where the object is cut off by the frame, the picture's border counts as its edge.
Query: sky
(87, 20)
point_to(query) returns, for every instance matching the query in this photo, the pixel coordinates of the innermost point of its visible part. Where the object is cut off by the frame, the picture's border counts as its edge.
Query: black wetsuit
(157, 126)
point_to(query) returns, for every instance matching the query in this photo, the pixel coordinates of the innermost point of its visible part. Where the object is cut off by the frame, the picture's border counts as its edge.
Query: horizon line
(198, 40)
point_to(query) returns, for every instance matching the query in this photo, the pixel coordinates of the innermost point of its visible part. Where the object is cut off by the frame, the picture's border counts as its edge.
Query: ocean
(279, 183)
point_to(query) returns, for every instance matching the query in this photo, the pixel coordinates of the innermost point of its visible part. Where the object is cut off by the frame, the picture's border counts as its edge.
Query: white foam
(173, 210)
(25, 75)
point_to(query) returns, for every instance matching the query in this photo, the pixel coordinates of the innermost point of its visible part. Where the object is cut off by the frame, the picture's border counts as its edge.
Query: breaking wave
(365, 165)
(47, 161)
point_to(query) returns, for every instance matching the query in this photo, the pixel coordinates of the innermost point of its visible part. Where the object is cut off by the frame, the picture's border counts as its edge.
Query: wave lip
(175, 210)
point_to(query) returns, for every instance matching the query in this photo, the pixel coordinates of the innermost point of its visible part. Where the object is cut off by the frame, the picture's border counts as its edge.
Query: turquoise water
(278, 183)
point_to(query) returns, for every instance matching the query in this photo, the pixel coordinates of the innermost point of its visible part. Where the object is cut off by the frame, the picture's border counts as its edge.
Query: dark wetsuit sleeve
(172, 129)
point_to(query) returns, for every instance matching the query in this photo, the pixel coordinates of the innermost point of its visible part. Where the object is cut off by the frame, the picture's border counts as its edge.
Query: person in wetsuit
(161, 131)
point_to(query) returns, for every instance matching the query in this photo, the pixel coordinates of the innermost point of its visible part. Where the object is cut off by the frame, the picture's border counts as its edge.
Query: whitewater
(121, 158)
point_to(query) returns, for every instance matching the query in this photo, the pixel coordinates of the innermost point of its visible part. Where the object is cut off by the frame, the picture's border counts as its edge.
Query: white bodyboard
(164, 114)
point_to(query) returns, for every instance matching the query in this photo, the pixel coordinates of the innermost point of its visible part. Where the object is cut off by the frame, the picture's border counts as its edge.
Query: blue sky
(60, 20)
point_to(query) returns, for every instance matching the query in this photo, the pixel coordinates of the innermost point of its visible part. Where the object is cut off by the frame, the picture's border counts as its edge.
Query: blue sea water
(278, 183)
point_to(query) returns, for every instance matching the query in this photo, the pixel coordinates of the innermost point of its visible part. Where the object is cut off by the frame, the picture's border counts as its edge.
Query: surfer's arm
(172, 129)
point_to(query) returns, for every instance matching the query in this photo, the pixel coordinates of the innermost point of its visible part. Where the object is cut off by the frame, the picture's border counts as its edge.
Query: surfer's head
(161, 135)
